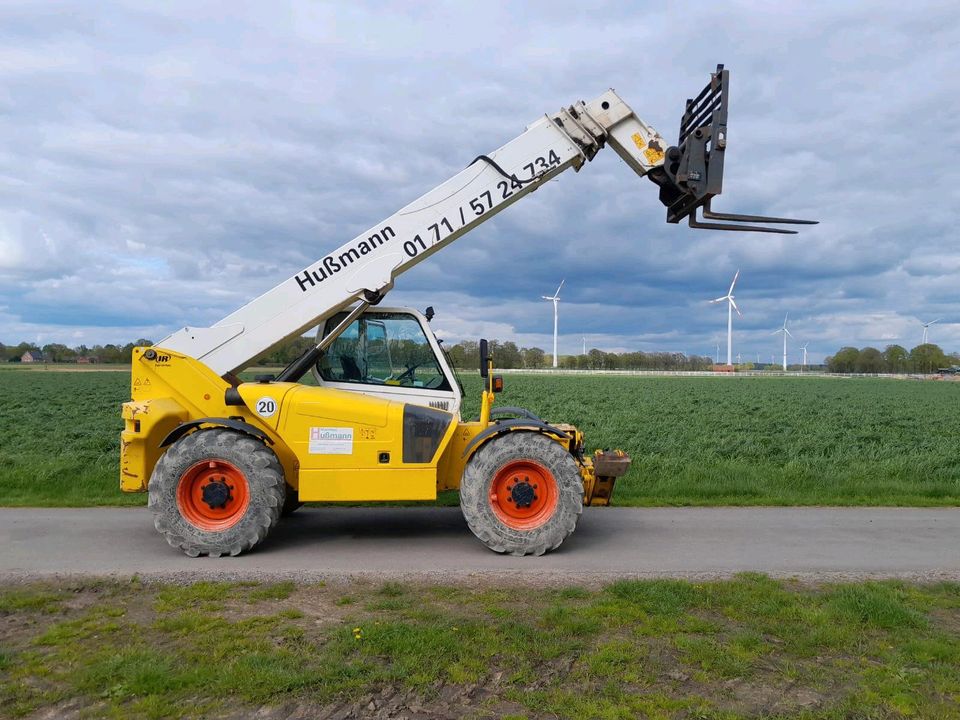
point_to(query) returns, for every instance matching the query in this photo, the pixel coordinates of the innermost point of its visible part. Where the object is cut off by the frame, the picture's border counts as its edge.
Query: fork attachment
(692, 171)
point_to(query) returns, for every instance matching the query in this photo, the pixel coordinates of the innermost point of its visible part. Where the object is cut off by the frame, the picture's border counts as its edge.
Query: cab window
(382, 349)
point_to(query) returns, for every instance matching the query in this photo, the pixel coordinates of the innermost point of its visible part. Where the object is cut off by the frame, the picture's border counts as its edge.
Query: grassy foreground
(747, 647)
(699, 441)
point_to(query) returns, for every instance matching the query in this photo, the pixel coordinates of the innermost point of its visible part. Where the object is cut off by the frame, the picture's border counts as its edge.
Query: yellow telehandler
(223, 460)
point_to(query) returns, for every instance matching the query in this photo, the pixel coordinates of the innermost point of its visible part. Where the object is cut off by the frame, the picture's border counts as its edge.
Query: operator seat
(351, 371)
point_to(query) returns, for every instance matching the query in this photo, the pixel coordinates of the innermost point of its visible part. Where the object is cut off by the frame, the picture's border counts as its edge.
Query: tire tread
(475, 485)
(264, 476)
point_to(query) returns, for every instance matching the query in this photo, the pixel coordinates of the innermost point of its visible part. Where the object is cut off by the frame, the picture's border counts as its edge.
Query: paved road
(434, 543)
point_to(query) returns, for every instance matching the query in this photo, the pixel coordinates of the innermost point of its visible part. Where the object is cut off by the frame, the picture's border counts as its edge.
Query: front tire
(522, 494)
(216, 492)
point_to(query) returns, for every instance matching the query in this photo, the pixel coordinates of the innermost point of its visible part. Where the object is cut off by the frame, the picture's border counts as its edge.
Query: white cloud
(184, 158)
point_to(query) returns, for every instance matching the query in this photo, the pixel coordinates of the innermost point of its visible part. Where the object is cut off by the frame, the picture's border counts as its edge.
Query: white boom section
(371, 261)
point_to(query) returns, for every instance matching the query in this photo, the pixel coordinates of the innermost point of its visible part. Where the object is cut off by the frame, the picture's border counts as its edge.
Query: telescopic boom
(365, 268)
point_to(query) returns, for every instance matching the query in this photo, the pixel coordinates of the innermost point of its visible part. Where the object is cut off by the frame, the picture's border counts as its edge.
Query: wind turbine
(731, 306)
(555, 298)
(925, 326)
(584, 344)
(785, 333)
(804, 348)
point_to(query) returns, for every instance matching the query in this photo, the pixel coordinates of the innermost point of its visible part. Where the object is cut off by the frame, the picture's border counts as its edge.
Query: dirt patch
(752, 697)
(447, 702)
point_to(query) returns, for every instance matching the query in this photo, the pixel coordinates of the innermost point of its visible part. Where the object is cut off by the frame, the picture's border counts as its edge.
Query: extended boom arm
(366, 267)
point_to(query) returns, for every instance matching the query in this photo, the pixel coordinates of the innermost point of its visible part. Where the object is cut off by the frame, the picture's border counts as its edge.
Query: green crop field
(702, 441)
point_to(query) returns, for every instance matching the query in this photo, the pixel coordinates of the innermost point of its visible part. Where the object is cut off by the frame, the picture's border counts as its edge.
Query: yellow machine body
(333, 445)
(373, 431)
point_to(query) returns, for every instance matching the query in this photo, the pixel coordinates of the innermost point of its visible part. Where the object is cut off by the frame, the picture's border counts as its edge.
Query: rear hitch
(607, 465)
(692, 171)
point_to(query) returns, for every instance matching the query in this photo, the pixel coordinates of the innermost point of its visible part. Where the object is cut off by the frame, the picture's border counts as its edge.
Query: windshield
(382, 349)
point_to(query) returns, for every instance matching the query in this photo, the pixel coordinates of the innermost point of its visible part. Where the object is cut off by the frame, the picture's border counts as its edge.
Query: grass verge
(742, 648)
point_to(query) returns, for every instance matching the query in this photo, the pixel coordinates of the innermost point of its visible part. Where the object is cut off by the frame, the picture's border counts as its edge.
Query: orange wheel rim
(524, 494)
(213, 495)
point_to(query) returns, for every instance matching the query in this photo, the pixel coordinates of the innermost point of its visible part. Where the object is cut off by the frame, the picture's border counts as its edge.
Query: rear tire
(216, 492)
(522, 494)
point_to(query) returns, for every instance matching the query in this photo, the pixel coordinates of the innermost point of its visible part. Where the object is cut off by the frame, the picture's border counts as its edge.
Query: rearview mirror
(484, 354)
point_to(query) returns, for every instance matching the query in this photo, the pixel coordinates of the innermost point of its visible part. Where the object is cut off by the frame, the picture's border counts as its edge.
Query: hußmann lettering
(332, 264)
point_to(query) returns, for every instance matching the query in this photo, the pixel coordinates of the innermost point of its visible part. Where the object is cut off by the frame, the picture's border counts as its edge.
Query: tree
(597, 360)
(507, 356)
(56, 352)
(845, 361)
(870, 360)
(109, 353)
(22, 348)
(927, 358)
(456, 355)
(533, 357)
(471, 354)
(280, 355)
(896, 358)
(465, 355)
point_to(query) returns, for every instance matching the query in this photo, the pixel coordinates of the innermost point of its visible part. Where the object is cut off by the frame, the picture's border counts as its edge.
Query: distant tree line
(287, 352)
(59, 353)
(925, 358)
(121, 354)
(508, 355)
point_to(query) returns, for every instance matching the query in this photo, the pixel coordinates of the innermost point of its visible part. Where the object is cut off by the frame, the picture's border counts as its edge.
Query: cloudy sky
(160, 167)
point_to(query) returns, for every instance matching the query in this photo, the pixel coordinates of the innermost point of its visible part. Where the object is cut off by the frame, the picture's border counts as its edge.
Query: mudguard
(506, 426)
(232, 423)
(504, 412)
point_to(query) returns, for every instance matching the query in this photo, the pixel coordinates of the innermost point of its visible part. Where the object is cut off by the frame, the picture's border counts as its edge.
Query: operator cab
(390, 353)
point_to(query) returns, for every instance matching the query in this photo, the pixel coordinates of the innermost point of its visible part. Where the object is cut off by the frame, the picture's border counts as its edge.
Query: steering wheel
(408, 373)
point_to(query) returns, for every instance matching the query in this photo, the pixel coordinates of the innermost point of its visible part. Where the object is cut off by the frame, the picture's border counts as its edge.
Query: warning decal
(331, 441)
(653, 155)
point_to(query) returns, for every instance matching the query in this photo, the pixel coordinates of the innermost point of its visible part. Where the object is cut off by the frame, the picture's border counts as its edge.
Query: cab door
(390, 353)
